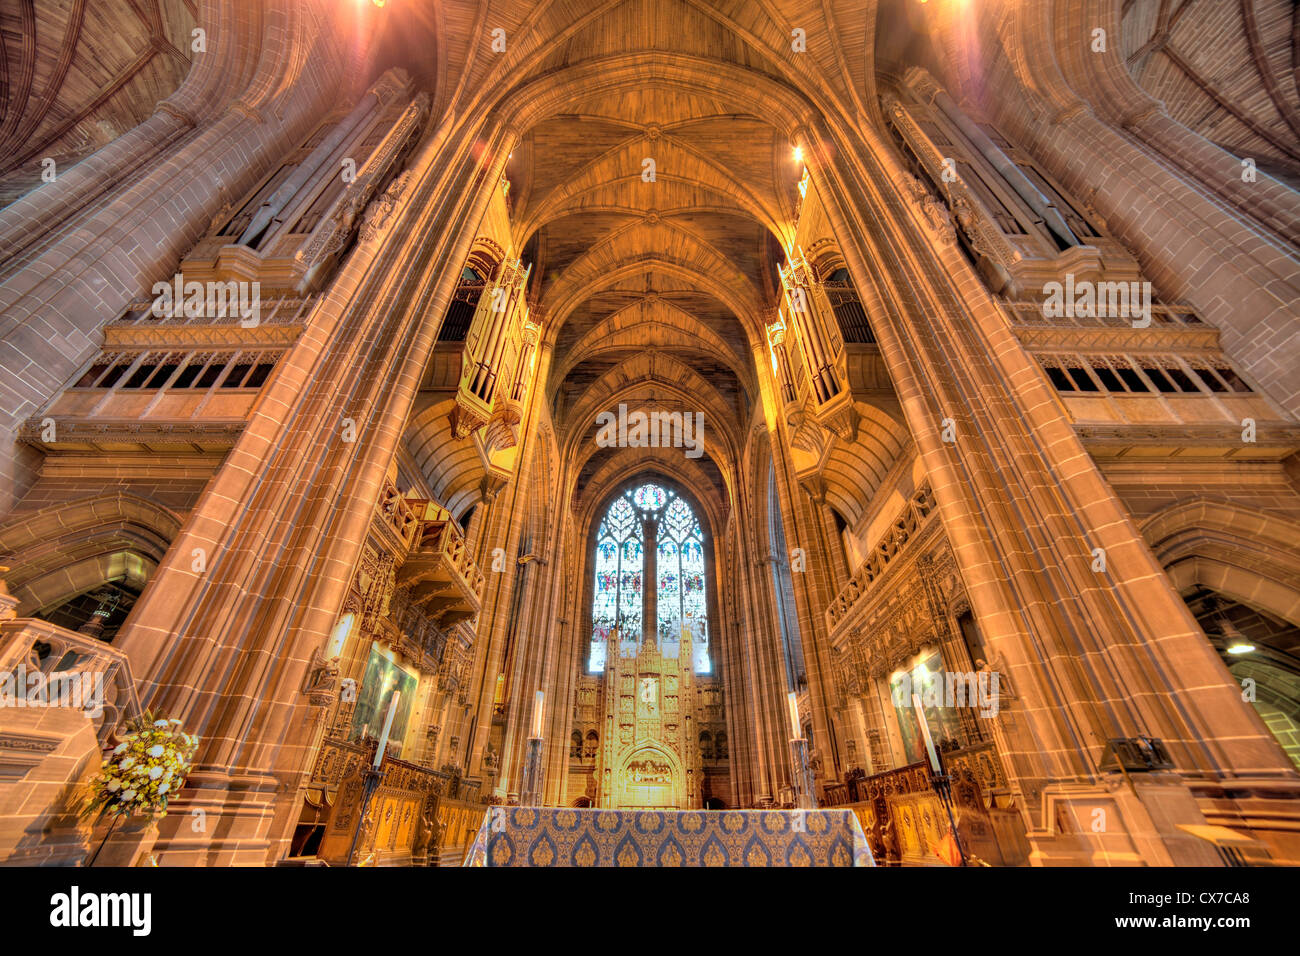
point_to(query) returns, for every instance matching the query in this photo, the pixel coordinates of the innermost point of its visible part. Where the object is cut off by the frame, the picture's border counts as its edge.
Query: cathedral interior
(470, 419)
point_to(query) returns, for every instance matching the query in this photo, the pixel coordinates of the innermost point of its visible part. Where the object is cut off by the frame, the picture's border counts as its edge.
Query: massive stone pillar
(1103, 80)
(226, 649)
(1177, 215)
(1092, 651)
(813, 590)
(219, 74)
(498, 623)
(190, 158)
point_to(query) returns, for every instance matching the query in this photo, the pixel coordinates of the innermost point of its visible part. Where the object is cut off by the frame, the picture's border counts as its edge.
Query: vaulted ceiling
(653, 181)
(1228, 69)
(653, 211)
(76, 74)
(654, 215)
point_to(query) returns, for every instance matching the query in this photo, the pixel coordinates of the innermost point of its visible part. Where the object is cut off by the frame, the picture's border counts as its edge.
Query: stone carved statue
(428, 835)
(322, 684)
(997, 666)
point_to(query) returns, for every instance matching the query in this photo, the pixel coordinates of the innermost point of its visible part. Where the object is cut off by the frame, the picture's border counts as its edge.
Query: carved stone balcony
(913, 517)
(93, 675)
(442, 575)
(395, 517)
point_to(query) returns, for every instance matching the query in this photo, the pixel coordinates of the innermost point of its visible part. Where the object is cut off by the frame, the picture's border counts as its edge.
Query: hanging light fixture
(1237, 642)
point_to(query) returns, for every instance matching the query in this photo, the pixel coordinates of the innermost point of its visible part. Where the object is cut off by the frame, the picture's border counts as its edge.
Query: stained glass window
(681, 580)
(617, 596)
(620, 566)
(649, 497)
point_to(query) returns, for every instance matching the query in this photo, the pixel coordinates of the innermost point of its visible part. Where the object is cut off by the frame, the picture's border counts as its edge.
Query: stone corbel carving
(985, 237)
(221, 216)
(491, 486)
(379, 212)
(997, 665)
(322, 680)
(994, 252)
(389, 86)
(937, 217)
(804, 433)
(171, 109)
(247, 109)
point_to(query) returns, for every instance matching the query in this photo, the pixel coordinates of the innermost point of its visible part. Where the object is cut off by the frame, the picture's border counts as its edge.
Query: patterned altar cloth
(558, 836)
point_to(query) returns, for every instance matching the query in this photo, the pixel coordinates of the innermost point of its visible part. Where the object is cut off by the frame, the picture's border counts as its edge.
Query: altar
(562, 836)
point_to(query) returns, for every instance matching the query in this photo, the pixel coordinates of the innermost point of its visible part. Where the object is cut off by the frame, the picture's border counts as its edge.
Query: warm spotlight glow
(339, 639)
(1240, 648)
(798, 154)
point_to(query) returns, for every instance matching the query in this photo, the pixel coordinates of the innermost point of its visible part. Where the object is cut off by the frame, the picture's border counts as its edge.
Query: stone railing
(74, 668)
(396, 514)
(283, 309)
(1162, 317)
(445, 578)
(445, 538)
(905, 527)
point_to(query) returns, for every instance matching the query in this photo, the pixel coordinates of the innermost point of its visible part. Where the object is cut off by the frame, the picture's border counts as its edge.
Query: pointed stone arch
(68, 549)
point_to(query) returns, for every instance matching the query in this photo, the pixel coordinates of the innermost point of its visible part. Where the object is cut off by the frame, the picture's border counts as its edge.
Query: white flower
(127, 762)
(129, 795)
(155, 772)
(164, 788)
(114, 786)
(119, 748)
(156, 750)
(160, 723)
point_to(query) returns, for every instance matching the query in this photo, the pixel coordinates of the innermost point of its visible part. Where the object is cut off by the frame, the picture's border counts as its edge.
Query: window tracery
(650, 515)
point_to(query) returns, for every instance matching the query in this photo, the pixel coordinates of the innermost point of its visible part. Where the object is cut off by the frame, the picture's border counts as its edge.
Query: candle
(537, 713)
(797, 731)
(388, 726)
(925, 732)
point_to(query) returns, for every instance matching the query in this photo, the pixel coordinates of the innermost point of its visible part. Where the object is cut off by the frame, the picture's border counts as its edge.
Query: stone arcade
(348, 527)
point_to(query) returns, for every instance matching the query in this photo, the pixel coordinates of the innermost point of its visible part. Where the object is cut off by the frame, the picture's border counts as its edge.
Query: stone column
(1192, 244)
(283, 521)
(1102, 78)
(216, 78)
(1090, 654)
(52, 308)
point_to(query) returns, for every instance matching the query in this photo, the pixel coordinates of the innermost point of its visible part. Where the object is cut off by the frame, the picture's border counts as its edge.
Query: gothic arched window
(620, 560)
(643, 517)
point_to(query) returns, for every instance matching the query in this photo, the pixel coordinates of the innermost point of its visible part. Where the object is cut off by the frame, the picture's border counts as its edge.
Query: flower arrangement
(145, 770)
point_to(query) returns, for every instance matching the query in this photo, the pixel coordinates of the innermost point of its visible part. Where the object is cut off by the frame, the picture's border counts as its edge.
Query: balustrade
(73, 667)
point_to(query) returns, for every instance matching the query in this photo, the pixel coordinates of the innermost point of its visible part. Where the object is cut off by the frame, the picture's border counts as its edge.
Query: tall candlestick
(925, 732)
(796, 732)
(537, 713)
(388, 726)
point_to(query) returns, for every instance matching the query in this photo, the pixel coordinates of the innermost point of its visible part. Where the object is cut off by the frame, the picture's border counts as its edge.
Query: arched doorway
(1262, 653)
